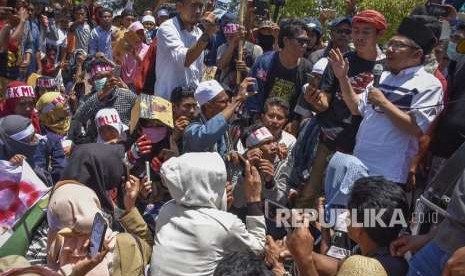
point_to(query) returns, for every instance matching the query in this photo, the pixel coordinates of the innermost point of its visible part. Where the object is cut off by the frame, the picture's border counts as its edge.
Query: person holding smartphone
(208, 132)
(262, 152)
(71, 215)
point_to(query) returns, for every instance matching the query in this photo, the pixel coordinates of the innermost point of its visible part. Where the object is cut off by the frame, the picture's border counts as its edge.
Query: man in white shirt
(180, 45)
(400, 111)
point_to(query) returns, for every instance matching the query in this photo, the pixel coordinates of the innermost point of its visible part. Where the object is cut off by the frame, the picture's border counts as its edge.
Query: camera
(252, 87)
(437, 10)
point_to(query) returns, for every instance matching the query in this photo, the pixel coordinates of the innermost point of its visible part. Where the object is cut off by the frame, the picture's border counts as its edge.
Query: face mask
(452, 52)
(155, 134)
(100, 83)
(266, 42)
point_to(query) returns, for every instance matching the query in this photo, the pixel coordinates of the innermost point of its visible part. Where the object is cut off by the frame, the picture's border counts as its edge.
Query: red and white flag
(20, 189)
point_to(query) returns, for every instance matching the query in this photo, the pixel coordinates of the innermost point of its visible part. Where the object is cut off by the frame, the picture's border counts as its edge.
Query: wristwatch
(205, 38)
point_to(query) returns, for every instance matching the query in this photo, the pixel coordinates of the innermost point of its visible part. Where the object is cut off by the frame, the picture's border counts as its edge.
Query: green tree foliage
(393, 10)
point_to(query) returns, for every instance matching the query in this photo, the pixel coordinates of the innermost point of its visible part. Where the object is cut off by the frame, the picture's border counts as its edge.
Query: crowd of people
(200, 141)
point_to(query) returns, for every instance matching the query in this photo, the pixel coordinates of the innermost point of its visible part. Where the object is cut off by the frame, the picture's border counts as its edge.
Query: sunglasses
(302, 41)
(343, 31)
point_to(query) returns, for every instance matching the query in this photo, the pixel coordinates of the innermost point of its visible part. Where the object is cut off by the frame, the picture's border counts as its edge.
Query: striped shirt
(383, 147)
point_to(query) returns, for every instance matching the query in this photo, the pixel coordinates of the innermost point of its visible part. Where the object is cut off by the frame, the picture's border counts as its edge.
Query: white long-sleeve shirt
(173, 41)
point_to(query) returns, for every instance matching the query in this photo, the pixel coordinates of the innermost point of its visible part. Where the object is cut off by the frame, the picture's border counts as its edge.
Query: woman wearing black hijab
(101, 168)
(19, 141)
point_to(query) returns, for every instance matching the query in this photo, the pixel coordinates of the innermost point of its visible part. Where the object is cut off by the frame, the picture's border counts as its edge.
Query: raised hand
(132, 189)
(252, 184)
(243, 94)
(339, 64)
(266, 169)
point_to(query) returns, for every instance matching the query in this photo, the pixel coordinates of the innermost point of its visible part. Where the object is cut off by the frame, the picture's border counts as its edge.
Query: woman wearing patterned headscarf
(55, 119)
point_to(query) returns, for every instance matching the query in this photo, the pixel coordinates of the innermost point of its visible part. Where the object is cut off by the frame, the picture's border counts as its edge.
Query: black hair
(81, 7)
(276, 101)
(128, 13)
(460, 26)
(377, 193)
(242, 264)
(179, 93)
(104, 10)
(248, 130)
(290, 29)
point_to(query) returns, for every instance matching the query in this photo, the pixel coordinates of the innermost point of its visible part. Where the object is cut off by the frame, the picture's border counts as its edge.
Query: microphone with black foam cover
(377, 72)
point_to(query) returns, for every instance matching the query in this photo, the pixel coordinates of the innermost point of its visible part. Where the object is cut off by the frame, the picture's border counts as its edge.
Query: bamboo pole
(242, 11)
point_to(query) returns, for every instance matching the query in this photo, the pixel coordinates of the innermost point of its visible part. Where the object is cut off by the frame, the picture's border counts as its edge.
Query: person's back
(201, 239)
(194, 231)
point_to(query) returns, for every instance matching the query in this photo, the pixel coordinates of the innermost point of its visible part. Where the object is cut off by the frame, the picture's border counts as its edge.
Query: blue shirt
(207, 136)
(100, 41)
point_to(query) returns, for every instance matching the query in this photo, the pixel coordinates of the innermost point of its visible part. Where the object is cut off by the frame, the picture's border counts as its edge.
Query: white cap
(206, 91)
(258, 136)
(148, 18)
(110, 117)
(320, 66)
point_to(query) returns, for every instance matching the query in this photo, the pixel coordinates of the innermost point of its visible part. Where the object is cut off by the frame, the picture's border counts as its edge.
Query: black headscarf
(11, 125)
(99, 167)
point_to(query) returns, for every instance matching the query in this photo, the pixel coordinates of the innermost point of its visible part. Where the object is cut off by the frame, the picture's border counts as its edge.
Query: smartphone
(313, 80)
(272, 207)
(253, 87)
(97, 236)
(261, 8)
(437, 10)
(147, 170)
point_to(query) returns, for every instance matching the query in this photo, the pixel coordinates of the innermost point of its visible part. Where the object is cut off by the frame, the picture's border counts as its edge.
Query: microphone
(377, 72)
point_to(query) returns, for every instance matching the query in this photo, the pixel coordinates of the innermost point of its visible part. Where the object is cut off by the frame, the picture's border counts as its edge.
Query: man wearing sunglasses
(283, 73)
(398, 112)
(341, 35)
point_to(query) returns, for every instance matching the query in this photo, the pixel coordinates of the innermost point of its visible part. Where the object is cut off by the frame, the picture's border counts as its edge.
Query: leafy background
(393, 10)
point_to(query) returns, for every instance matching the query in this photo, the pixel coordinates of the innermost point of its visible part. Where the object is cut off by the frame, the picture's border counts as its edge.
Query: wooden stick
(242, 11)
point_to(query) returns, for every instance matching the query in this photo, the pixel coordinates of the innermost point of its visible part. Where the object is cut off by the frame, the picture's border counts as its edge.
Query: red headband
(372, 17)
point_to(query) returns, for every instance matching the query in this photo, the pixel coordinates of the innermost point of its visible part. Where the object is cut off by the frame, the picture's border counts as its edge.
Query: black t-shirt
(337, 123)
(287, 83)
(450, 132)
(283, 81)
(394, 266)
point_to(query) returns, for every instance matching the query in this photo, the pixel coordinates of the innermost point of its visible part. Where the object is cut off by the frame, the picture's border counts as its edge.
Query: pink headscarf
(71, 211)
